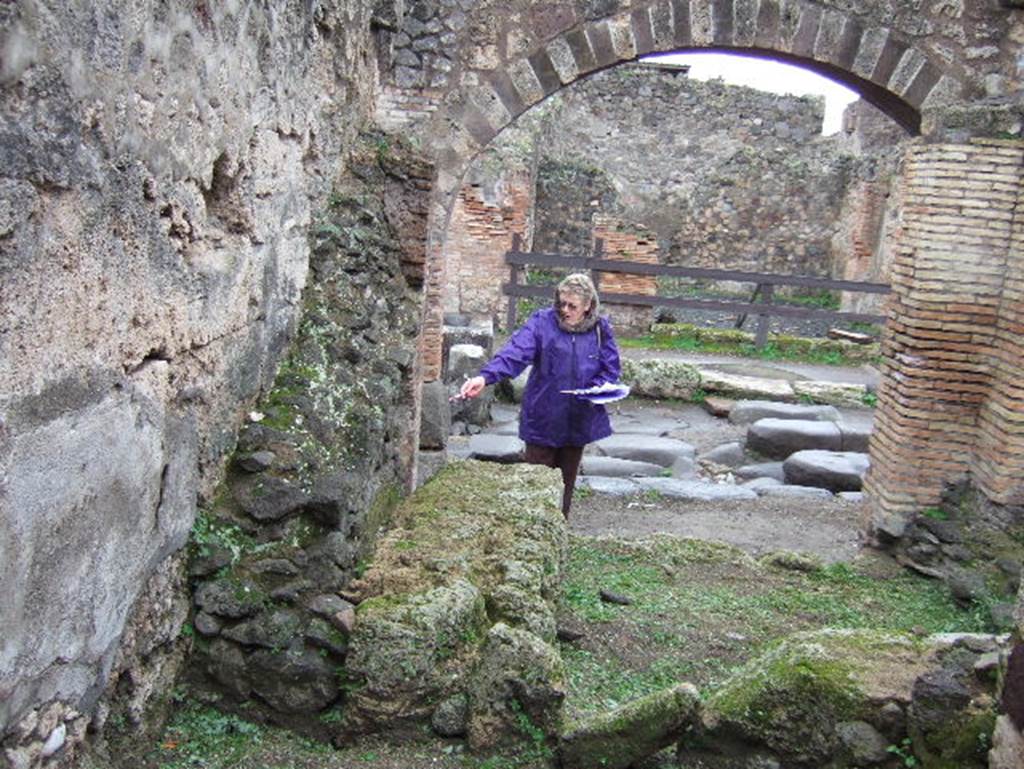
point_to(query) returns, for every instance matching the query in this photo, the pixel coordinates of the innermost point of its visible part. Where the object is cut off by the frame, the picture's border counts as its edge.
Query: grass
(700, 611)
(683, 337)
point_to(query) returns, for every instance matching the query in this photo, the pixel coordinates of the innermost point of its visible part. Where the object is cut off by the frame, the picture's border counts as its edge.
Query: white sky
(768, 75)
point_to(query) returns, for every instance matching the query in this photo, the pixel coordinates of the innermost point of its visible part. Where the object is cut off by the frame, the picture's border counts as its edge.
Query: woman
(569, 347)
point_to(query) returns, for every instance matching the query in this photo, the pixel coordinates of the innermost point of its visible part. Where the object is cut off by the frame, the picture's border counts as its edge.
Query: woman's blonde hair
(580, 284)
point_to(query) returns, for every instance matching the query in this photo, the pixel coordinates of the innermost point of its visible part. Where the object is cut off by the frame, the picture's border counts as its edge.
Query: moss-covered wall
(319, 466)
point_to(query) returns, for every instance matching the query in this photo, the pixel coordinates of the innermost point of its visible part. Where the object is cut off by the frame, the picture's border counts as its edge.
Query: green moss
(684, 336)
(960, 744)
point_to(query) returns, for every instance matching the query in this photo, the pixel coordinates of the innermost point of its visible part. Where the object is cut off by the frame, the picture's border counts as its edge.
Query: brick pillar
(942, 396)
(627, 244)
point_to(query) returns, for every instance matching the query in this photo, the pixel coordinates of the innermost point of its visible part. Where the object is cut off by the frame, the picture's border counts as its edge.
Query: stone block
(778, 438)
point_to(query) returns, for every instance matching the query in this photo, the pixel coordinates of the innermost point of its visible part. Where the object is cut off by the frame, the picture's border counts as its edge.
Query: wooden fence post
(513, 279)
(598, 256)
(767, 290)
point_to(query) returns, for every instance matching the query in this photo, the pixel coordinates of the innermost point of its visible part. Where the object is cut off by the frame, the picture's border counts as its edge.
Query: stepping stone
(613, 487)
(695, 491)
(717, 406)
(761, 470)
(788, 490)
(636, 425)
(685, 468)
(506, 428)
(645, 448)
(503, 412)
(728, 454)
(757, 484)
(748, 412)
(496, 448)
(851, 496)
(832, 470)
(740, 386)
(855, 437)
(778, 438)
(613, 467)
(846, 394)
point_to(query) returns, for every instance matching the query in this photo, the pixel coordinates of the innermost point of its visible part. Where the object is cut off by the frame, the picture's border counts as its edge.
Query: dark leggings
(565, 458)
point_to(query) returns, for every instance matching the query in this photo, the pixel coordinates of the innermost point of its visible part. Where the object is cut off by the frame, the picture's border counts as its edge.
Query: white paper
(602, 393)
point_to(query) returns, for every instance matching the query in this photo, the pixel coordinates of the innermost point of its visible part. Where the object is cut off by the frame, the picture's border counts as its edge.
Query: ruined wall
(161, 168)
(743, 178)
(868, 218)
(725, 176)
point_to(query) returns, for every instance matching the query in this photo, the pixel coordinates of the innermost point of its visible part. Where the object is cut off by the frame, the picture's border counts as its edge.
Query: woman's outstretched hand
(472, 387)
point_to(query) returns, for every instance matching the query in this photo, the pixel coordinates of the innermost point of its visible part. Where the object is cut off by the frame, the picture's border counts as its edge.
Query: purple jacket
(561, 361)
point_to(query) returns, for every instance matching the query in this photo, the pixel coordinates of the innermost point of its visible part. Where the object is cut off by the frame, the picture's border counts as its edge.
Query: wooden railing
(764, 283)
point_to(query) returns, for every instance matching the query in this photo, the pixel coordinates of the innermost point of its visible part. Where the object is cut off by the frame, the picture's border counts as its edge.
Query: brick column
(945, 399)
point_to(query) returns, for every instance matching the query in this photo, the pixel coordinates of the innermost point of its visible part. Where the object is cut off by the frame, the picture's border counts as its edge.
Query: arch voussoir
(848, 45)
(600, 37)
(526, 82)
(903, 76)
(869, 51)
(506, 90)
(663, 25)
(723, 26)
(767, 25)
(563, 60)
(620, 30)
(682, 26)
(831, 28)
(922, 85)
(889, 58)
(805, 37)
(745, 22)
(583, 53)
(702, 27)
(545, 72)
(642, 28)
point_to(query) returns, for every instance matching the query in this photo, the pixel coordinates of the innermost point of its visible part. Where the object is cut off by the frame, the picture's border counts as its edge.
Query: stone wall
(162, 167)
(724, 176)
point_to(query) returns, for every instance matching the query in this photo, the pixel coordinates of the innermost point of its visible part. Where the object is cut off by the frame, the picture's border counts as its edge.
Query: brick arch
(874, 61)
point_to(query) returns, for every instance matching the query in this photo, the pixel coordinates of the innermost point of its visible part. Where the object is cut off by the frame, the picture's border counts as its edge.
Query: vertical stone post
(949, 403)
